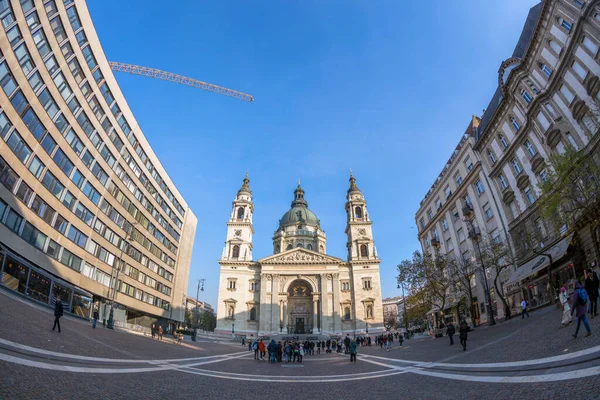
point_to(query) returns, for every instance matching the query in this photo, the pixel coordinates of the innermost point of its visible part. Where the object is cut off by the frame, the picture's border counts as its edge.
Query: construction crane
(167, 76)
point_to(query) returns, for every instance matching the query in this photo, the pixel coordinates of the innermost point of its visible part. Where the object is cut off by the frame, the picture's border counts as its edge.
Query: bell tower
(238, 245)
(361, 246)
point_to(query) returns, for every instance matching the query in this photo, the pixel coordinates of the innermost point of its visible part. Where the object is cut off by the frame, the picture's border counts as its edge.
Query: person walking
(352, 349)
(272, 347)
(463, 332)
(261, 349)
(346, 344)
(450, 331)
(564, 300)
(591, 287)
(160, 332)
(300, 352)
(96, 315)
(255, 348)
(507, 313)
(58, 312)
(580, 306)
(524, 309)
(153, 330)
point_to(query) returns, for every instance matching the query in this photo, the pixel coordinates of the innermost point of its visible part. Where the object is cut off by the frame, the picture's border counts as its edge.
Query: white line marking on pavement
(560, 376)
(102, 359)
(78, 369)
(546, 360)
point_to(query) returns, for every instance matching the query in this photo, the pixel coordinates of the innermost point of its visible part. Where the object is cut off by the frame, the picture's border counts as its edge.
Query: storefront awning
(539, 262)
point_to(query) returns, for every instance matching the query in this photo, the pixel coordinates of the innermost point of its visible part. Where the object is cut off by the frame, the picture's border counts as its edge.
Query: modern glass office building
(87, 211)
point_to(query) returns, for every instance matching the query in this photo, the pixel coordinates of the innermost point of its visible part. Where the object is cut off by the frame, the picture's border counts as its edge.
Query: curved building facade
(87, 212)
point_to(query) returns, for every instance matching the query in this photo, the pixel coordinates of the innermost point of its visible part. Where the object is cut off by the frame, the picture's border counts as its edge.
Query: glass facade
(79, 186)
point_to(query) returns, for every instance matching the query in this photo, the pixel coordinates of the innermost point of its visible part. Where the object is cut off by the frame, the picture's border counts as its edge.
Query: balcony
(467, 210)
(474, 233)
(435, 242)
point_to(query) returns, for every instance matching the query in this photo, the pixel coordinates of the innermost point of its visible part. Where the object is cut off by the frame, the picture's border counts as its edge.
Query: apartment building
(87, 211)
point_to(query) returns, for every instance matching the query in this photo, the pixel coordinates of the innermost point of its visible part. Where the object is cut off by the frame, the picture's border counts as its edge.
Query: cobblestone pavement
(521, 359)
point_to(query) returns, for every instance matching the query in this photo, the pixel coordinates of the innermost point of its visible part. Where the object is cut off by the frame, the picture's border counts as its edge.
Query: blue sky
(383, 87)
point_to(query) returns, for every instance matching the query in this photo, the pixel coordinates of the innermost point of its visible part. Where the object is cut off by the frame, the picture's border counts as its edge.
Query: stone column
(315, 314)
(337, 321)
(265, 280)
(324, 304)
(274, 323)
(285, 315)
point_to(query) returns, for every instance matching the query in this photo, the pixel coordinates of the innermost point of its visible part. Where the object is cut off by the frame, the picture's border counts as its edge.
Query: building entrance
(300, 308)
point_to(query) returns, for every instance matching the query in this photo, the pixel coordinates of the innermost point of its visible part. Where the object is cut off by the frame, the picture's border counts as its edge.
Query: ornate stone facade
(299, 289)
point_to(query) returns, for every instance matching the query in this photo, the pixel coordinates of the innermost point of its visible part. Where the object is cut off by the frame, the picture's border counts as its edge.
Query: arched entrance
(300, 307)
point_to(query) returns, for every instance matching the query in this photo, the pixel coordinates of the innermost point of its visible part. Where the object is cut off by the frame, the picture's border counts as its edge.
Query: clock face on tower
(238, 232)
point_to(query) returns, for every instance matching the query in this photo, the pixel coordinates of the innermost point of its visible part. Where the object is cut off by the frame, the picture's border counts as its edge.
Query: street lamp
(403, 302)
(111, 322)
(475, 236)
(200, 288)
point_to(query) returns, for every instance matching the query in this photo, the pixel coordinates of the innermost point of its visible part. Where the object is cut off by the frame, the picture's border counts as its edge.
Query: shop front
(539, 280)
(39, 285)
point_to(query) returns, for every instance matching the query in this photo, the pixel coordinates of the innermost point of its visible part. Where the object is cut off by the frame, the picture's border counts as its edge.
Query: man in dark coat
(591, 287)
(450, 332)
(58, 312)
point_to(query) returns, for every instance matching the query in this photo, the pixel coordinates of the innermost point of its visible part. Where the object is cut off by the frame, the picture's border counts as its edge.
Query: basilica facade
(299, 289)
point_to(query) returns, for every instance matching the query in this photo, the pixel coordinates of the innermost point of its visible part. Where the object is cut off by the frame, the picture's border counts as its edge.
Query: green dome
(299, 214)
(299, 211)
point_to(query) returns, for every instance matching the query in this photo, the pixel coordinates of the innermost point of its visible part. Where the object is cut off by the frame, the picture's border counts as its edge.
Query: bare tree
(497, 259)
(429, 276)
(571, 194)
(390, 320)
(464, 272)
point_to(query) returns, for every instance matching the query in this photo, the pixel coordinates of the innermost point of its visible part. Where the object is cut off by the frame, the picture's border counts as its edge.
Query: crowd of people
(291, 351)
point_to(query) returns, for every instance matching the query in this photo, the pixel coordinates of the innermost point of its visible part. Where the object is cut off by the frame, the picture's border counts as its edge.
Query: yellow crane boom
(167, 76)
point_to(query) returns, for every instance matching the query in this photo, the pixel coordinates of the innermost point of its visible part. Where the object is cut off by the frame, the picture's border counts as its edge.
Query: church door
(299, 325)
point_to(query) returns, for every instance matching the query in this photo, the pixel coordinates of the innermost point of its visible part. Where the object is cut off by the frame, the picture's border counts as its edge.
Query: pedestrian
(261, 349)
(450, 331)
(300, 352)
(591, 287)
(153, 330)
(249, 345)
(272, 347)
(507, 312)
(160, 332)
(346, 343)
(580, 306)
(243, 341)
(564, 301)
(255, 348)
(287, 349)
(58, 312)
(463, 330)
(96, 315)
(179, 337)
(279, 351)
(524, 309)
(401, 338)
(352, 350)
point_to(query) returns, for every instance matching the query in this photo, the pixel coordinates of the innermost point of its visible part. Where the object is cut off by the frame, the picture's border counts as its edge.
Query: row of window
(92, 64)
(46, 100)
(139, 294)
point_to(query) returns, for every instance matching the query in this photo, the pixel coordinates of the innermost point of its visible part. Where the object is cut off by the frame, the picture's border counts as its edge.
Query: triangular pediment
(300, 256)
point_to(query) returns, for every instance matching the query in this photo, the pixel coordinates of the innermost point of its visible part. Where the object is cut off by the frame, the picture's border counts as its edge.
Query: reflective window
(91, 193)
(60, 224)
(24, 59)
(76, 236)
(63, 162)
(58, 29)
(78, 178)
(36, 81)
(69, 200)
(14, 35)
(13, 221)
(6, 79)
(48, 144)
(33, 21)
(84, 214)
(52, 184)
(36, 167)
(19, 147)
(34, 124)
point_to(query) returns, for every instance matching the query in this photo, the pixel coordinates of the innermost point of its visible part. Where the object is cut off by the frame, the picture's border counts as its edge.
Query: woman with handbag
(564, 300)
